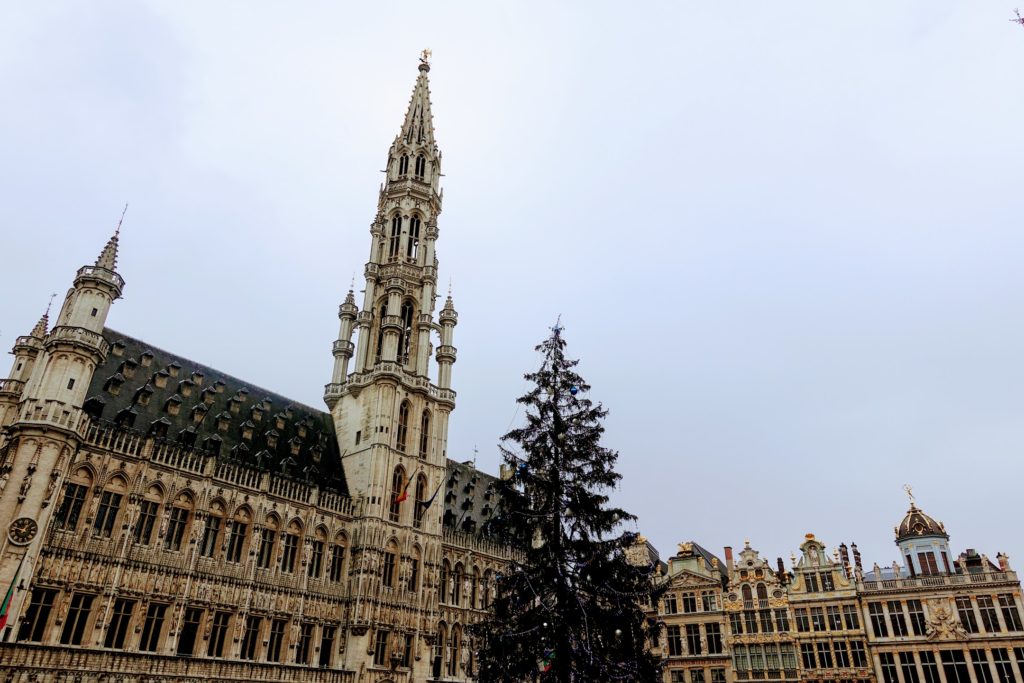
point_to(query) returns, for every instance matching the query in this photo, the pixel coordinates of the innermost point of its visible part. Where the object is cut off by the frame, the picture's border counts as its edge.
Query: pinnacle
(39, 331)
(108, 257)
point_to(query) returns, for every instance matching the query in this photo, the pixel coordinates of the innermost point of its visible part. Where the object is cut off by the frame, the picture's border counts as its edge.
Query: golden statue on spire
(425, 56)
(910, 492)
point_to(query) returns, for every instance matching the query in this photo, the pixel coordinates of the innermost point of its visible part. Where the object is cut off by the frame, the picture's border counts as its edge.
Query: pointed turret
(39, 331)
(108, 257)
(418, 127)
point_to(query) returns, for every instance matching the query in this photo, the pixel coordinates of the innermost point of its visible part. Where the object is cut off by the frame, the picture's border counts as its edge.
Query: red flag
(5, 608)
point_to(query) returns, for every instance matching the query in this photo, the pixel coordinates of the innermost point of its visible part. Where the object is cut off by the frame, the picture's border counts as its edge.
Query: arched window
(399, 489)
(380, 331)
(474, 583)
(762, 592)
(396, 236)
(403, 164)
(290, 547)
(421, 166)
(439, 648)
(149, 509)
(71, 504)
(414, 570)
(424, 433)
(405, 336)
(457, 576)
(748, 595)
(486, 589)
(442, 584)
(390, 562)
(110, 506)
(413, 245)
(403, 426)
(336, 571)
(177, 521)
(238, 535)
(421, 497)
(455, 651)
(212, 530)
(268, 539)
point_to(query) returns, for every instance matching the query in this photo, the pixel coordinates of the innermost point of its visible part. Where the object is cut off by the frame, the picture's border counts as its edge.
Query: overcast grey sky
(785, 238)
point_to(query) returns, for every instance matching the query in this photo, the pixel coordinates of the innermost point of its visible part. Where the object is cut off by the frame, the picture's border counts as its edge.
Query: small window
(71, 384)
(95, 311)
(359, 437)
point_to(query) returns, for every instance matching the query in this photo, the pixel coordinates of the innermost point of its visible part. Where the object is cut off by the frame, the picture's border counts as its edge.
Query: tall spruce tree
(569, 608)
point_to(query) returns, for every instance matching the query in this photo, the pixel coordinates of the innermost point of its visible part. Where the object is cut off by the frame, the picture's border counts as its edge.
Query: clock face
(23, 530)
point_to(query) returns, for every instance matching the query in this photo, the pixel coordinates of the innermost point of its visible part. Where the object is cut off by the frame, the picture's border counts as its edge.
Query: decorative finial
(117, 233)
(557, 329)
(52, 297)
(352, 284)
(425, 60)
(449, 286)
(910, 493)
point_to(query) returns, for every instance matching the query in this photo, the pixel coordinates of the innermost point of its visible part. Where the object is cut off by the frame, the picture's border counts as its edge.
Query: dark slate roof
(138, 386)
(470, 498)
(708, 556)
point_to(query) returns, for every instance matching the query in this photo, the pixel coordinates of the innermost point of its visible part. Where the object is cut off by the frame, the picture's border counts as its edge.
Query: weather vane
(425, 56)
(121, 220)
(52, 297)
(910, 492)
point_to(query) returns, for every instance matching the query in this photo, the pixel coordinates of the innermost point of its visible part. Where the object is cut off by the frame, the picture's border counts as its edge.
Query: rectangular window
(878, 620)
(218, 633)
(771, 655)
(826, 582)
(803, 624)
(1011, 615)
(713, 635)
(276, 640)
(898, 619)
(817, 619)
(696, 675)
(982, 672)
(670, 604)
(380, 648)
(305, 643)
(835, 622)
(851, 617)
(176, 528)
(389, 576)
(1018, 653)
(337, 559)
(858, 654)
(189, 631)
(289, 549)
(735, 623)
(718, 676)
(767, 626)
(966, 611)
(916, 613)
(117, 629)
(33, 624)
(689, 601)
(954, 664)
(251, 638)
(1004, 669)
(812, 582)
(928, 565)
(909, 668)
(750, 620)
(266, 556)
(807, 656)
(78, 615)
(407, 653)
(144, 524)
(888, 667)
(675, 642)
(110, 503)
(316, 559)
(756, 659)
(781, 621)
(71, 507)
(327, 645)
(211, 532)
(788, 660)
(693, 639)
(709, 601)
(824, 656)
(414, 579)
(236, 541)
(989, 618)
(152, 627)
(842, 654)
(739, 655)
(929, 666)
(677, 676)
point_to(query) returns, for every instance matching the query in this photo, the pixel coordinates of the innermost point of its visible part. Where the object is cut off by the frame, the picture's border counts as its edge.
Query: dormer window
(198, 378)
(219, 386)
(214, 444)
(113, 384)
(185, 387)
(199, 413)
(288, 413)
(118, 348)
(302, 431)
(272, 436)
(267, 403)
(234, 405)
(128, 368)
(223, 421)
(247, 430)
(295, 445)
(125, 417)
(143, 395)
(173, 405)
(256, 414)
(208, 395)
(146, 359)
(187, 437)
(174, 369)
(158, 428)
(160, 379)
(279, 421)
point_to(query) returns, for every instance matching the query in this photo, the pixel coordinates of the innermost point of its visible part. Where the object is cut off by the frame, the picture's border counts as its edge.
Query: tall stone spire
(418, 126)
(41, 328)
(108, 257)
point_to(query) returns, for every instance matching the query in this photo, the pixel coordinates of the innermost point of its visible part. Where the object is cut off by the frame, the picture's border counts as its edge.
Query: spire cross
(121, 220)
(910, 492)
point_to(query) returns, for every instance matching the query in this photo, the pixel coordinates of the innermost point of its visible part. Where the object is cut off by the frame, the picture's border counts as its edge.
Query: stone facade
(933, 619)
(166, 521)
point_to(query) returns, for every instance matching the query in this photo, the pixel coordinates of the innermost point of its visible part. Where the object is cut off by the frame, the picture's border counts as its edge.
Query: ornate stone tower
(391, 418)
(48, 385)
